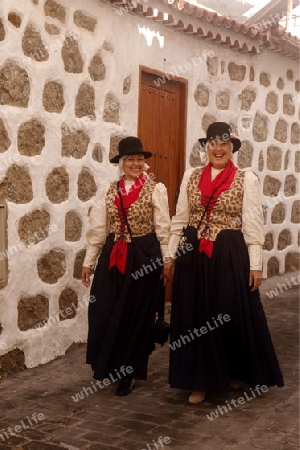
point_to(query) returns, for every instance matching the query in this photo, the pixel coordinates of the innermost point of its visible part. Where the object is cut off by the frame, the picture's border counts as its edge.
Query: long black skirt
(121, 320)
(219, 330)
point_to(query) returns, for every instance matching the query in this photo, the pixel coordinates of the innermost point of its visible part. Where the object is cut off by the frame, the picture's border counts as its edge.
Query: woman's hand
(168, 270)
(86, 276)
(255, 278)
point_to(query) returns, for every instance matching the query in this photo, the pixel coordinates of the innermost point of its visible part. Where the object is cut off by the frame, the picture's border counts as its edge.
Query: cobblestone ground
(102, 421)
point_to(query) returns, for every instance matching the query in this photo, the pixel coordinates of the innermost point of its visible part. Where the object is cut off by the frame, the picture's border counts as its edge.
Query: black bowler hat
(221, 130)
(130, 146)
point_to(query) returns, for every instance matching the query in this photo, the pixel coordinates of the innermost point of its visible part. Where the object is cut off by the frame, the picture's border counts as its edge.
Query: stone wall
(69, 88)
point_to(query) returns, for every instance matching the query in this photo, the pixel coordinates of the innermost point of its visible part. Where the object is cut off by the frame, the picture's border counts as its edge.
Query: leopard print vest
(140, 214)
(227, 212)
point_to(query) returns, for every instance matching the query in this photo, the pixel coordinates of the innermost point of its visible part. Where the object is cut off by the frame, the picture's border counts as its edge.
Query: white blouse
(99, 224)
(252, 217)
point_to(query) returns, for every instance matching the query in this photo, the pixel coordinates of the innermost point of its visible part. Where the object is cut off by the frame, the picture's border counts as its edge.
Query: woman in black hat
(129, 228)
(219, 333)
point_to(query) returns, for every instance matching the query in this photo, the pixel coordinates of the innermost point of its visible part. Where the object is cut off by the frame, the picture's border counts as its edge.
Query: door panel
(162, 115)
(161, 129)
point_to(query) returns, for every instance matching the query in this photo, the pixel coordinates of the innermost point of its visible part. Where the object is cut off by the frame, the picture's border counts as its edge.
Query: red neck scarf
(210, 192)
(118, 256)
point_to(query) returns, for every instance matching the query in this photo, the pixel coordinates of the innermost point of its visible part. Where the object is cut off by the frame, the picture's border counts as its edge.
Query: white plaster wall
(131, 50)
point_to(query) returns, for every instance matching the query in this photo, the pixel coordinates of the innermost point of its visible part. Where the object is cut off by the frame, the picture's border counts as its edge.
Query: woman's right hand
(86, 276)
(168, 270)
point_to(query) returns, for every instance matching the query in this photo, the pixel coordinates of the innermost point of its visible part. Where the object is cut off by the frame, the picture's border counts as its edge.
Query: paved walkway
(37, 406)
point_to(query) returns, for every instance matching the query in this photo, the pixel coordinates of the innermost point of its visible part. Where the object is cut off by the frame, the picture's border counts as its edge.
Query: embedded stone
(297, 85)
(111, 110)
(274, 158)
(55, 10)
(2, 30)
(97, 68)
(15, 19)
(126, 85)
(33, 46)
(57, 185)
(212, 65)
(31, 138)
(278, 213)
(280, 83)
(272, 267)
(297, 161)
(260, 128)
(289, 74)
(85, 102)
(97, 153)
(53, 97)
(195, 155)
(261, 162)
(108, 46)
(271, 103)
(86, 185)
(236, 72)
(269, 242)
(295, 133)
(14, 86)
(291, 262)
(52, 266)
(264, 79)
(295, 213)
(223, 100)
(246, 123)
(280, 133)
(201, 95)
(73, 226)
(287, 160)
(32, 311)
(51, 29)
(85, 21)
(17, 185)
(1, 328)
(288, 105)
(247, 97)
(271, 186)
(5, 142)
(71, 56)
(74, 143)
(290, 185)
(78, 264)
(12, 362)
(251, 74)
(34, 227)
(245, 155)
(207, 119)
(68, 302)
(222, 67)
(114, 145)
(265, 214)
(284, 239)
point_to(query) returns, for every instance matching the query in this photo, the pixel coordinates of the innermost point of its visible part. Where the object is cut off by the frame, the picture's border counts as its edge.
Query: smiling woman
(133, 166)
(131, 224)
(223, 277)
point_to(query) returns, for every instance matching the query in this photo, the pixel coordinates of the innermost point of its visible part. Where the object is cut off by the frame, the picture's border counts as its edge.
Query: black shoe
(125, 386)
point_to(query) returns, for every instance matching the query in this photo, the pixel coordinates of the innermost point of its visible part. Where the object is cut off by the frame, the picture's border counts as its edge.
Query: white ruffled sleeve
(98, 228)
(161, 215)
(252, 220)
(181, 218)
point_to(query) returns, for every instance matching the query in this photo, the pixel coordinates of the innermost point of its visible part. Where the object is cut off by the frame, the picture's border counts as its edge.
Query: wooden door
(161, 128)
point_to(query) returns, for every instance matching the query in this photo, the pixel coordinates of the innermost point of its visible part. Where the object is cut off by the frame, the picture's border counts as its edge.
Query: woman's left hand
(255, 278)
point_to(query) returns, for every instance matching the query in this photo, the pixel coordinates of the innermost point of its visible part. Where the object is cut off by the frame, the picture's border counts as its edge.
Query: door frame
(183, 84)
